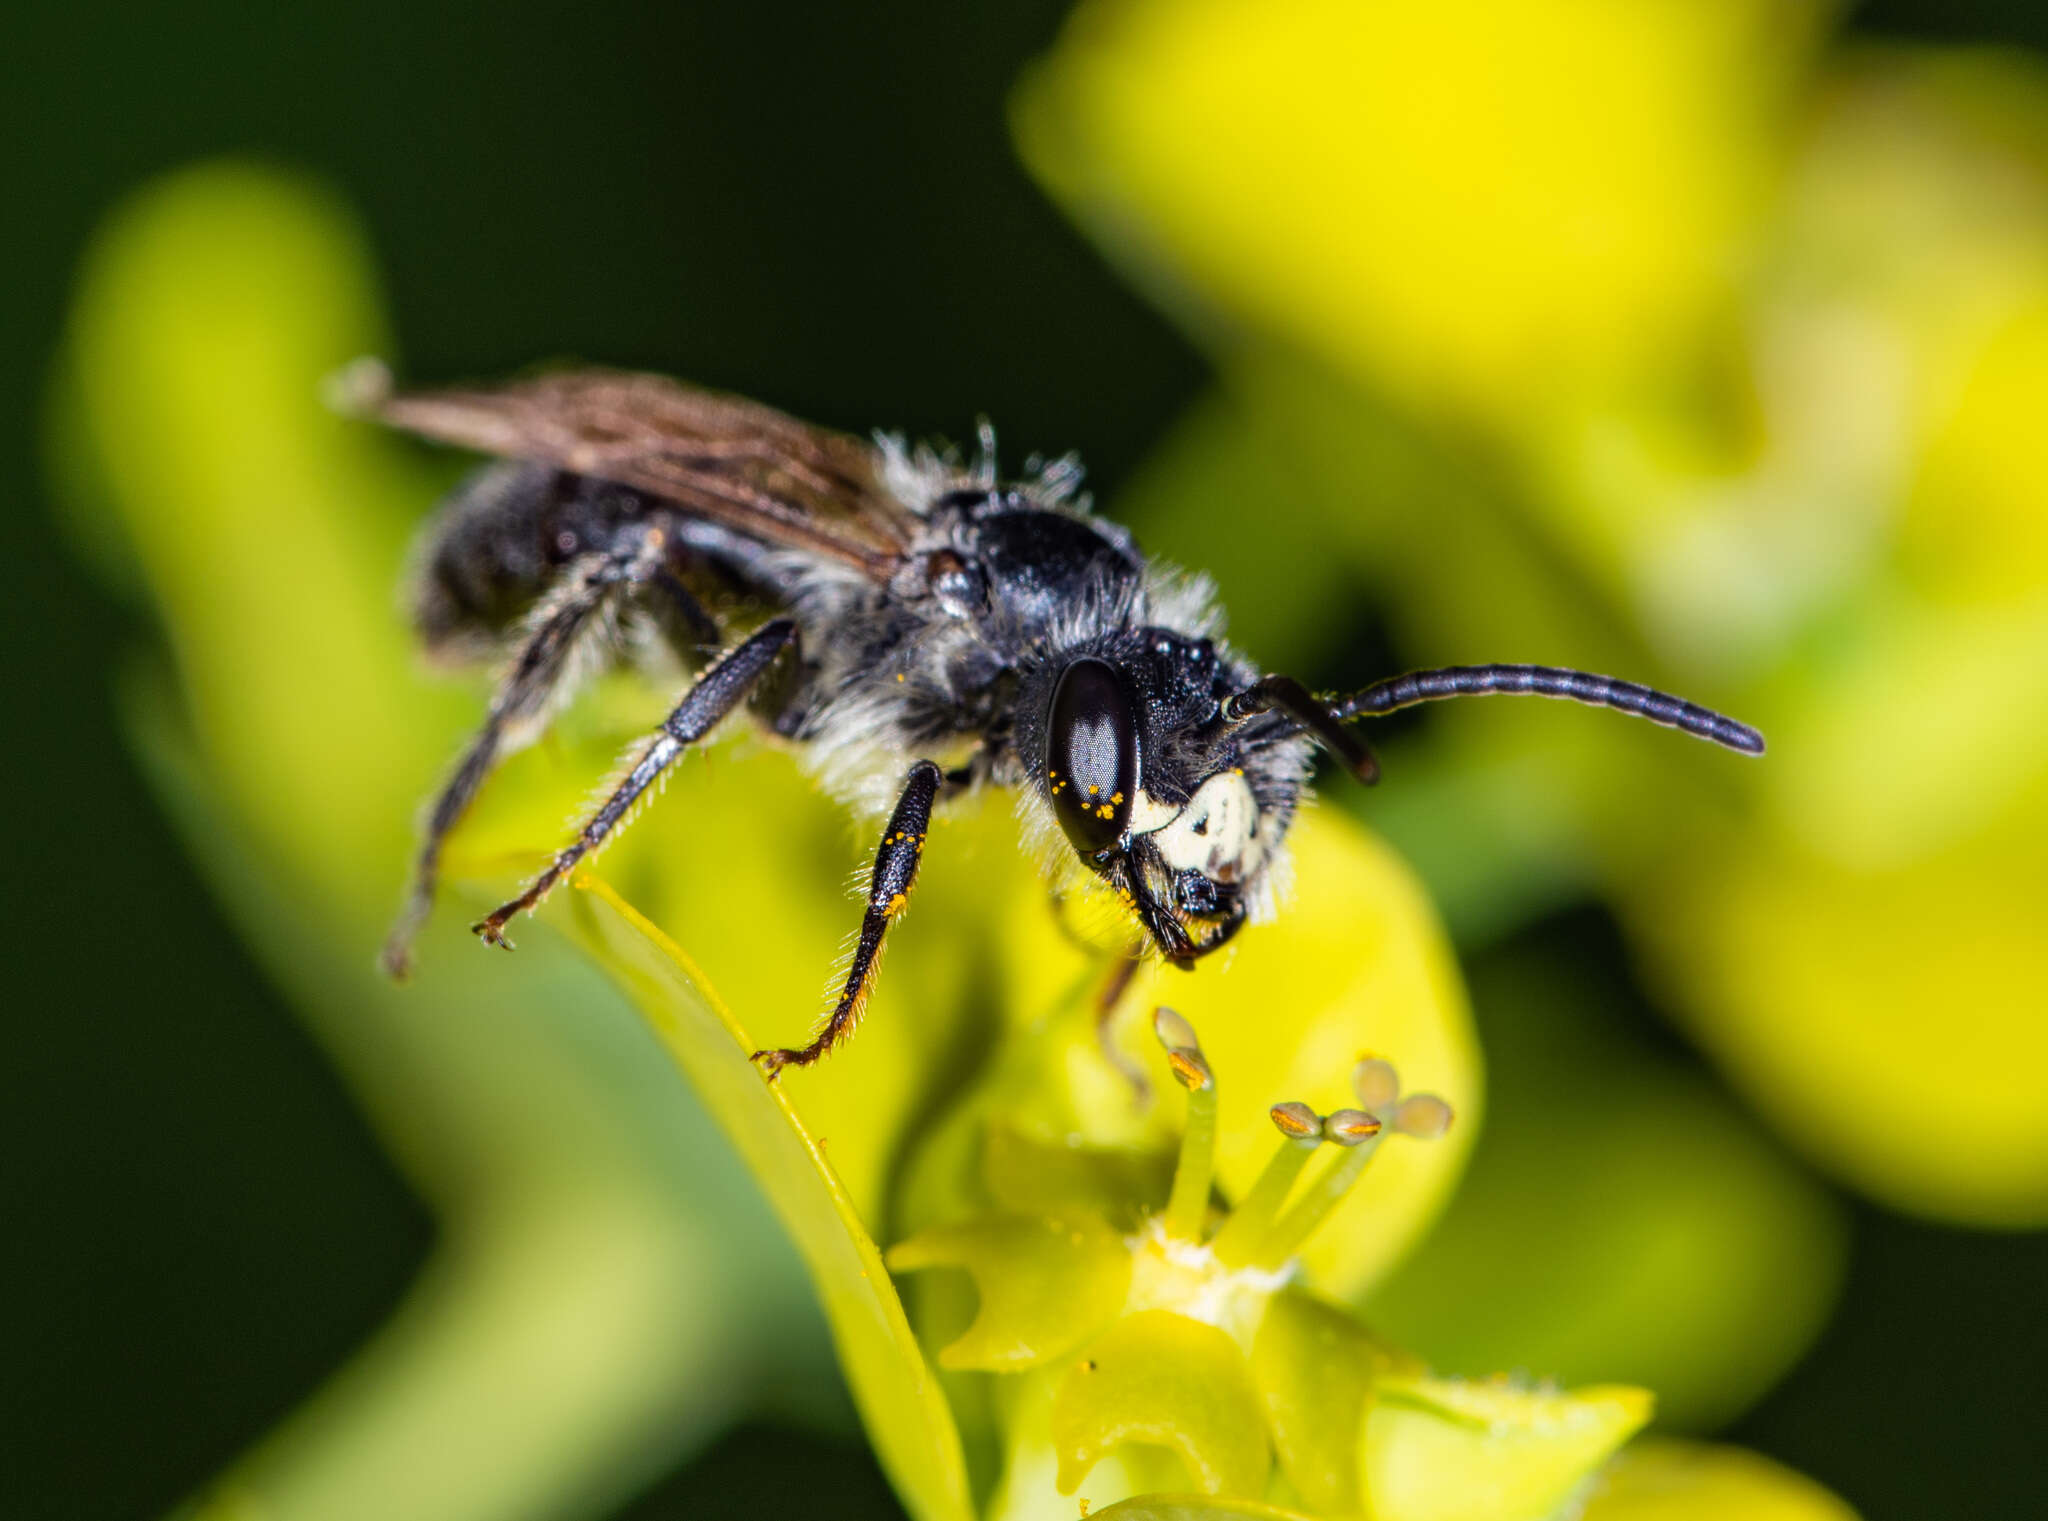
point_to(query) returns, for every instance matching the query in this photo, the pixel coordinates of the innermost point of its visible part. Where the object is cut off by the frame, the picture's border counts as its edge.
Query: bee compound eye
(1092, 758)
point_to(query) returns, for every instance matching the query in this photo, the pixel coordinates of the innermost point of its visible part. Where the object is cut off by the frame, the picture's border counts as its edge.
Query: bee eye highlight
(1092, 757)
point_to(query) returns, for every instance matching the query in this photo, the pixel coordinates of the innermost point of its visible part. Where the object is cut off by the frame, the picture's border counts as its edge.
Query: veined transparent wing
(733, 461)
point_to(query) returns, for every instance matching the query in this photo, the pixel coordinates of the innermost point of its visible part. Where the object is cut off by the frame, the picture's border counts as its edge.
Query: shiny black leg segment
(889, 887)
(529, 687)
(1286, 695)
(1553, 681)
(722, 687)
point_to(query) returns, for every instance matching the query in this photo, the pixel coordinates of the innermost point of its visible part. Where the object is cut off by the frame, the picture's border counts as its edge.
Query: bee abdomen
(498, 541)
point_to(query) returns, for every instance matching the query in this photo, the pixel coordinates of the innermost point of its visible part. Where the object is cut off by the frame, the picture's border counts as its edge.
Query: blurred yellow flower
(1710, 354)
(1445, 199)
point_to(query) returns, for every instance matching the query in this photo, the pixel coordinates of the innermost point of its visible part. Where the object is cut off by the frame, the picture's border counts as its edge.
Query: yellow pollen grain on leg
(895, 905)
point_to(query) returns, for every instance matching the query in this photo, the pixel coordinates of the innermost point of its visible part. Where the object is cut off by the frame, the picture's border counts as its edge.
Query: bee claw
(771, 1063)
(492, 932)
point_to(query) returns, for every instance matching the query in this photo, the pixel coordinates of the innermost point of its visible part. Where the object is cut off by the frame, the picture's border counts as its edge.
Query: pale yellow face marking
(1149, 814)
(1217, 833)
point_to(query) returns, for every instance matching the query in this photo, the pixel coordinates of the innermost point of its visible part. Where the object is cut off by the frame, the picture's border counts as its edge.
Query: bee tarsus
(889, 883)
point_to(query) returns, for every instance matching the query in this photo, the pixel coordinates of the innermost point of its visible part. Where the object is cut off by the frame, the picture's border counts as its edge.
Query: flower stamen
(1187, 1207)
(1420, 1116)
(1248, 1224)
(1359, 1133)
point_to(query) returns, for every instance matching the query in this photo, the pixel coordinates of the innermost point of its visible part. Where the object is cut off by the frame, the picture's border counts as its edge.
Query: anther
(1297, 1121)
(1348, 1127)
(1173, 1030)
(1183, 1051)
(1376, 1083)
(1423, 1116)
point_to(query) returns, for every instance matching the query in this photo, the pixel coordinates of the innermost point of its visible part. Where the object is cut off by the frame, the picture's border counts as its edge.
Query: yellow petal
(1166, 1381)
(1316, 1366)
(1045, 1285)
(1193, 1508)
(1443, 1450)
(1681, 1481)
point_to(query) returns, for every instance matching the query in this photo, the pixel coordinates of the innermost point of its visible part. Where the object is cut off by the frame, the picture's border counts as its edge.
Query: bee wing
(734, 461)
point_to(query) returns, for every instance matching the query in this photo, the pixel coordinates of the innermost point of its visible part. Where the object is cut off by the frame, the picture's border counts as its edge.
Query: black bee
(917, 626)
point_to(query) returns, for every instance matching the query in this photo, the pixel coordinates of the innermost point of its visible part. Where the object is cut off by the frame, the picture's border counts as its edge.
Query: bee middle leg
(722, 687)
(889, 884)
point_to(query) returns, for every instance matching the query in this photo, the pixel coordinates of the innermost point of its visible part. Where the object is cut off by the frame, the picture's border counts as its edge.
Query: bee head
(1152, 804)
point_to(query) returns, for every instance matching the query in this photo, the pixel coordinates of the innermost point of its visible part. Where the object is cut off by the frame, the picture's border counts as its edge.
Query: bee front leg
(723, 687)
(889, 885)
(1109, 998)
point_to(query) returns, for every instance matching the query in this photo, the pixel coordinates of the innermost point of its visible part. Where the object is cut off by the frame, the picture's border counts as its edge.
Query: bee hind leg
(889, 884)
(722, 687)
(537, 680)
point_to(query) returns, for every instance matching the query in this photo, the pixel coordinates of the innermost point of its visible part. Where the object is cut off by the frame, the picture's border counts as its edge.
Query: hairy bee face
(1186, 869)
(1200, 865)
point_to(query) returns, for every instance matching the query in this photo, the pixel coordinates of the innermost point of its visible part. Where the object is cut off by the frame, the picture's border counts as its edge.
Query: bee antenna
(359, 388)
(1552, 681)
(985, 465)
(1323, 723)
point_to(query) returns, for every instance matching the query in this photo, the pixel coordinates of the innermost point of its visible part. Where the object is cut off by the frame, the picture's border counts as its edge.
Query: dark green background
(815, 204)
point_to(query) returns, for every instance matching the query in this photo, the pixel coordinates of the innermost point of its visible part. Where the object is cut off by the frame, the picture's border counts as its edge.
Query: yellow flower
(1652, 335)
(1143, 1325)
(1444, 199)
(597, 1290)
